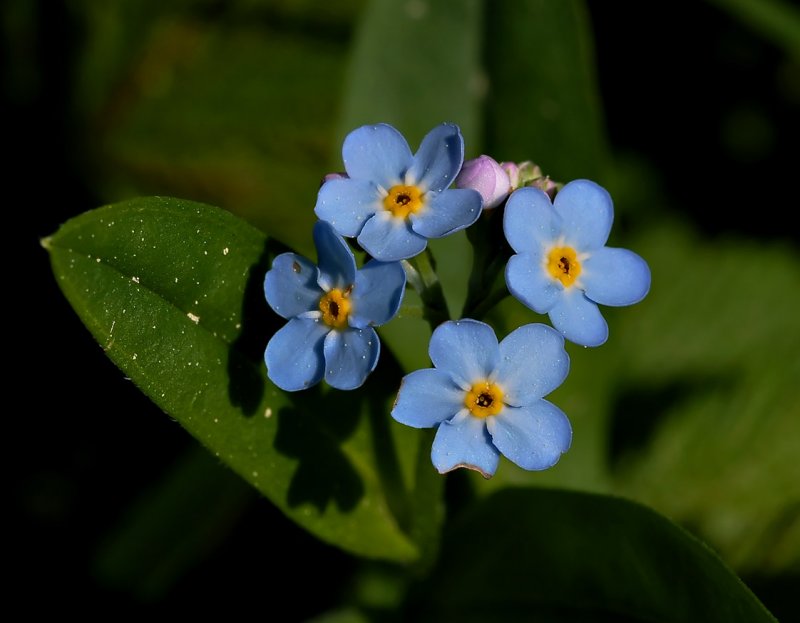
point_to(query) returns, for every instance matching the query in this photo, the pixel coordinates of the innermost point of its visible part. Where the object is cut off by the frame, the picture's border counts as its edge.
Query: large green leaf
(172, 290)
(777, 20)
(415, 65)
(543, 102)
(557, 556)
(706, 411)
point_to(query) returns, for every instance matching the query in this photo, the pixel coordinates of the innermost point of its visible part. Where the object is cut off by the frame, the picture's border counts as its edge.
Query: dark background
(86, 446)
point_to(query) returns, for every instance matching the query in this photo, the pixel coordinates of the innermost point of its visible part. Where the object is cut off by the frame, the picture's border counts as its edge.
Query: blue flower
(331, 311)
(486, 398)
(562, 267)
(394, 201)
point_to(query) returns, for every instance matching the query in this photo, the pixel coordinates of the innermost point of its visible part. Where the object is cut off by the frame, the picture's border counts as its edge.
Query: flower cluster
(484, 397)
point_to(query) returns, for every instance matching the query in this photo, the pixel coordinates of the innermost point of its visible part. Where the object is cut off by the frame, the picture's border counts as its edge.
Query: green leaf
(543, 102)
(548, 555)
(777, 20)
(172, 290)
(415, 65)
(704, 417)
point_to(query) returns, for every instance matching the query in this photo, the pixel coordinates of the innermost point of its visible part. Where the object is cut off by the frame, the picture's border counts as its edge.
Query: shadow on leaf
(246, 373)
(312, 432)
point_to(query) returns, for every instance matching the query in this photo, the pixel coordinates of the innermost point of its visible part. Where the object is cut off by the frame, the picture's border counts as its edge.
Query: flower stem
(421, 274)
(490, 254)
(487, 303)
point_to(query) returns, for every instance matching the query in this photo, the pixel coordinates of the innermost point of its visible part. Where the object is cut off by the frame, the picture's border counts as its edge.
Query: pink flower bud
(488, 178)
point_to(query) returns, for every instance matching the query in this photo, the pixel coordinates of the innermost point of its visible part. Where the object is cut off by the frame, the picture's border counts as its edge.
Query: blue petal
(615, 277)
(294, 354)
(347, 204)
(337, 266)
(438, 159)
(530, 222)
(465, 349)
(447, 212)
(290, 286)
(389, 239)
(464, 442)
(527, 281)
(427, 397)
(579, 319)
(350, 356)
(533, 363)
(377, 153)
(534, 436)
(377, 294)
(587, 213)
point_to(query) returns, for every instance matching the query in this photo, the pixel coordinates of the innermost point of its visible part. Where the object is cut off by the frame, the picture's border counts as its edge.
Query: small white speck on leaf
(225, 251)
(135, 279)
(268, 412)
(195, 319)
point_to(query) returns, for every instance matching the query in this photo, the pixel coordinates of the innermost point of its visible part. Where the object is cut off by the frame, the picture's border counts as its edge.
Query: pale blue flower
(331, 309)
(487, 398)
(562, 267)
(393, 201)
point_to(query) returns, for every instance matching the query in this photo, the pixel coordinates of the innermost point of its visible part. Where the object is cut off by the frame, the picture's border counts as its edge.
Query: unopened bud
(488, 178)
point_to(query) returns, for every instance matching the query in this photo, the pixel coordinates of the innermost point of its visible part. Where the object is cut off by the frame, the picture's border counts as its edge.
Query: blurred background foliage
(689, 119)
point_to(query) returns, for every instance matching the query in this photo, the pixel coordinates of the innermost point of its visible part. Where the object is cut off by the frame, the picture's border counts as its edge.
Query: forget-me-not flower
(562, 267)
(331, 310)
(487, 398)
(393, 201)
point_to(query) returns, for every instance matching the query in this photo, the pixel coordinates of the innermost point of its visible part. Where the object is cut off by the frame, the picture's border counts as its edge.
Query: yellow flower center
(335, 307)
(403, 200)
(563, 264)
(484, 399)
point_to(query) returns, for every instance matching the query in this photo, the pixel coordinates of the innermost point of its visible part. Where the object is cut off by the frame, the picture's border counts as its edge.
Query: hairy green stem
(421, 274)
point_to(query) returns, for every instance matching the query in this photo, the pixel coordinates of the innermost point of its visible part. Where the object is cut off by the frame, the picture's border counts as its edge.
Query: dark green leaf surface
(172, 291)
(415, 65)
(705, 416)
(557, 556)
(544, 104)
(776, 20)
